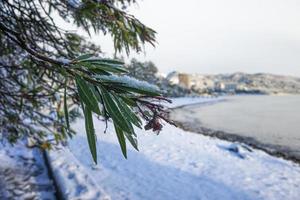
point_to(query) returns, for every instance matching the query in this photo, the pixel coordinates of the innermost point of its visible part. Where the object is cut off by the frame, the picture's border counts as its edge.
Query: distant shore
(197, 127)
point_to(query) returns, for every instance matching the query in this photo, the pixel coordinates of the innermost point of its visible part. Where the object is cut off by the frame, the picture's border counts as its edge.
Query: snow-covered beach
(175, 164)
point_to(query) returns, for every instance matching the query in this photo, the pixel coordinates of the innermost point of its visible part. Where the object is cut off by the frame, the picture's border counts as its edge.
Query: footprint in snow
(238, 150)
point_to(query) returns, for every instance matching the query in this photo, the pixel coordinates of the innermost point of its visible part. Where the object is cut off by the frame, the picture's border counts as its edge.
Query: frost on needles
(129, 82)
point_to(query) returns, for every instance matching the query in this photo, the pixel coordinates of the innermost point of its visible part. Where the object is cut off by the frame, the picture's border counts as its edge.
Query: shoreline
(274, 150)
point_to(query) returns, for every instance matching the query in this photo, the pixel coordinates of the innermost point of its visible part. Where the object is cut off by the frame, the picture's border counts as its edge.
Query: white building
(226, 87)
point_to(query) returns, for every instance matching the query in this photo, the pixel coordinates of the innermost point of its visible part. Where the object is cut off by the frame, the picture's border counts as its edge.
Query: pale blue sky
(221, 36)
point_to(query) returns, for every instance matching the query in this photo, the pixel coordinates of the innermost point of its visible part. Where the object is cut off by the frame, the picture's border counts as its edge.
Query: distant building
(226, 87)
(184, 80)
(242, 87)
(195, 81)
(220, 86)
(203, 83)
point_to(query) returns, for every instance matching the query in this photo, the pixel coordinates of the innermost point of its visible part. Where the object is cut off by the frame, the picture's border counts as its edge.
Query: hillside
(266, 83)
(239, 83)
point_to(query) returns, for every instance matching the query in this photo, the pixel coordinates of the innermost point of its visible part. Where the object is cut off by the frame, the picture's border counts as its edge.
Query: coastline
(173, 164)
(196, 127)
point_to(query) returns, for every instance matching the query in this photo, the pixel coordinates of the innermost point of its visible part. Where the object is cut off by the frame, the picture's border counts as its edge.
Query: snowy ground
(183, 101)
(179, 165)
(23, 174)
(73, 180)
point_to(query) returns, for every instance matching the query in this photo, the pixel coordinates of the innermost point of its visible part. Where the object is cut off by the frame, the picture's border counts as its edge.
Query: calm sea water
(273, 120)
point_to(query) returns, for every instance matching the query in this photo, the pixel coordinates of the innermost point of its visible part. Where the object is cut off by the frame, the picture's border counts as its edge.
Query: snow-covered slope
(73, 180)
(181, 165)
(183, 101)
(23, 174)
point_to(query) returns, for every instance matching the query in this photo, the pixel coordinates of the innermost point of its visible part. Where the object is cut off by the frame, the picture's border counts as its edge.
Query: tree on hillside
(45, 72)
(145, 71)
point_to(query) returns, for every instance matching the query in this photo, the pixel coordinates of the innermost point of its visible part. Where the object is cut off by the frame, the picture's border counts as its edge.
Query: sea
(270, 122)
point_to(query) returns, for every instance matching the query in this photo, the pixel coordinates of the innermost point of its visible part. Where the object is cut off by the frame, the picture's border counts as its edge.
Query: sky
(221, 36)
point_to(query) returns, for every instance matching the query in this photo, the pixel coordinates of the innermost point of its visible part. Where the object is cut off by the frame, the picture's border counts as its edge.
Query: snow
(72, 179)
(181, 165)
(75, 3)
(23, 174)
(129, 81)
(64, 60)
(93, 58)
(183, 101)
